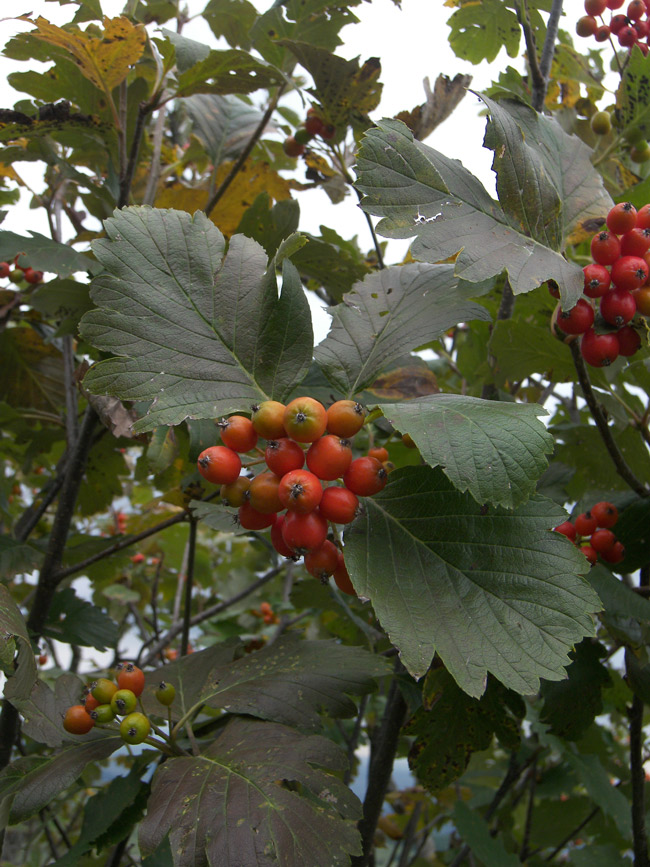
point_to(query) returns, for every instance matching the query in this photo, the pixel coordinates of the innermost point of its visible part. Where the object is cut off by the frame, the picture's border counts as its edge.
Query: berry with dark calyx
(621, 218)
(234, 494)
(313, 123)
(329, 457)
(586, 26)
(408, 441)
(599, 350)
(605, 248)
(32, 276)
(328, 132)
(300, 491)
(617, 23)
(601, 540)
(165, 693)
(602, 34)
(283, 455)
(378, 452)
(342, 578)
(365, 476)
(305, 419)
(131, 677)
(5, 270)
(578, 319)
(635, 242)
(77, 720)
(629, 340)
(627, 36)
(267, 418)
(219, 465)
(597, 280)
(636, 10)
(263, 494)
(566, 529)
(345, 418)
(553, 288)
(135, 728)
(629, 272)
(614, 554)
(605, 513)
(590, 554)
(304, 533)
(277, 539)
(251, 519)
(585, 524)
(238, 433)
(617, 306)
(322, 562)
(293, 148)
(601, 124)
(339, 505)
(642, 29)
(103, 713)
(124, 701)
(91, 702)
(103, 690)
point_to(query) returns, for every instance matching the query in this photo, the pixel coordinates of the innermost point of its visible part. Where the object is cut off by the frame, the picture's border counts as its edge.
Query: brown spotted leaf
(439, 104)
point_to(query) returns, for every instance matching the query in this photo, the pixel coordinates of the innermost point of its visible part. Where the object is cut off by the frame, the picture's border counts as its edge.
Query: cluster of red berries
(628, 28)
(295, 434)
(18, 273)
(592, 532)
(294, 145)
(265, 613)
(618, 277)
(106, 699)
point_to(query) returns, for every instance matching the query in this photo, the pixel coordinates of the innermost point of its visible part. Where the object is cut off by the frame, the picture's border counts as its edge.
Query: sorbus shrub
(283, 455)
(165, 693)
(135, 728)
(585, 524)
(629, 340)
(621, 218)
(595, 7)
(124, 701)
(365, 476)
(219, 465)
(342, 577)
(589, 553)
(601, 540)
(586, 26)
(103, 690)
(313, 123)
(635, 242)
(643, 217)
(277, 539)
(614, 554)
(602, 34)
(605, 248)
(378, 452)
(629, 272)
(5, 270)
(293, 148)
(642, 300)
(617, 306)
(103, 713)
(235, 493)
(91, 702)
(300, 491)
(329, 457)
(597, 280)
(238, 433)
(578, 319)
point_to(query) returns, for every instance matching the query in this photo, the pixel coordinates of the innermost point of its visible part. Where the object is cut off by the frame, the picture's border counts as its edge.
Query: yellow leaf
(320, 164)
(105, 61)
(251, 180)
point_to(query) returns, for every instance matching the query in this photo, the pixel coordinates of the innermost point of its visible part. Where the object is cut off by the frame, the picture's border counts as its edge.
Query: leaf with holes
(489, 590)
(296, 813)
(199, 335)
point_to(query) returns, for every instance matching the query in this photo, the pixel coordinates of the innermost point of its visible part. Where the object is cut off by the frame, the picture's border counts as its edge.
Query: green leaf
(391, 312)
(603, 792)
(43, 709)
(451, 726)
(16, 557)
(480, 31)
(332, 262)
(419, 191)
(217, 517)
(494, 450)
(475, 831)
(633, 97)
(43, 254)
(487, 589)
(229, 71)
(633, 530)
(162, 450)
(270, 226)
(248, 772)
(31, 369)
(289, 682)
(63, 300)
(224, 124)
(76, 621)
(13, 628)
(213, 339)
(188, 52)
(522, 348)
(232, 20)
(598, 856)
(618, 599)
(571, 705)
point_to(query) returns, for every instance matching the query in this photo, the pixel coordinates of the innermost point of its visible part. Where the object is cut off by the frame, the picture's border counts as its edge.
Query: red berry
(300, 491)
(235, 494)
(586, 26)
(642, 300)
(585, 524)
(602, 34)
(601, 540)
(251, 519)
(137, 558)
(131, 677)
(345, 418)
(627, 37)
(322, 562)
(614, 554)
(595, 7)
(636, 10)
(621, 218)
(599, 350)
(617, 23)
(293, 148)
(635, 242)
(566, 529)
(77, 720)
(238, 433)
(642, 29)
(304, 533)
(629, 272)
(329, 457)
(597, 280)
(342, 578)
(365, 476)
(314, 124)
(578, 319)
(5, 269)
(614, 4)
(263, 494)
(617, 306)
(305, 419)
(277, 539)
(589, 553)
(629, 340)
(328, 132)
(378, 452)
(606, 514)
(219, 465)
(339, 505)
(283, 455)
(32, 276)
(605, 248)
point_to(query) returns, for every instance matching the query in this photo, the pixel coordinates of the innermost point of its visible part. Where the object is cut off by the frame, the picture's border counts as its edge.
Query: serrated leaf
(232, 20)
(200, 802)
(571, 705)
(440, 103)
(75, 621)
(601, 789)
(223, 123)
(213, 339)
(494, 450)
(43, 254)
(162, 449)
(13, 628)
(475, 831)
(618, 599)
(31, 371)
(419, 191)
(633, 96)
(104, 61)
(62, 300)
(271, 225)
(480, 30)
(229, 71)
(17, 557)
(391, 312)
(487, 589)
(289, 682)
(451, 726)
(217, 517)
(522, 348)
(43, 709)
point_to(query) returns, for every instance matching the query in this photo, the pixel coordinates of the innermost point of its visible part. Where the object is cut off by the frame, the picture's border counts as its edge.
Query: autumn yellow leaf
(105, 61)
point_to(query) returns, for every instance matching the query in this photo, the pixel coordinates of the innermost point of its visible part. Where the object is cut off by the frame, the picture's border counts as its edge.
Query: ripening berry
(267, 418)
(606, 514)
(365, 476)
(238, 433)
(585, 524)
(614, 554)
(578, 319)
(599, 350)
(77, 720)
(601, 540)
(219, 465)
(566, 529)
(322, 561)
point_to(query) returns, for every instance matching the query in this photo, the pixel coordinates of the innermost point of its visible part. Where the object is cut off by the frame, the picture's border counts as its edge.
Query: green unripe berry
(601, 122)
(640, 153)
(103, 713)
(135, 728)
(165, 693)
(302, 136)
(123, 702)
(103, 690)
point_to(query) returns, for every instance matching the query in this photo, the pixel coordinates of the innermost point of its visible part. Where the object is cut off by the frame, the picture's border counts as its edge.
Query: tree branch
(622, 467)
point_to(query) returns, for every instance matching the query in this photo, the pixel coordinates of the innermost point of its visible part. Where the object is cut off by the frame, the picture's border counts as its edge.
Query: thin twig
(572, 834)
(621, 465)
(189, 585)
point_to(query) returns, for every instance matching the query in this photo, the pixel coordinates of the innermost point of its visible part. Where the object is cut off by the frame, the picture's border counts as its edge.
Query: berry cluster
(266, 613)
(288, 498)
(294, 145)
(618, 278)
(629, 28)
(592, 532)
(18, 273)
(107, 699)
